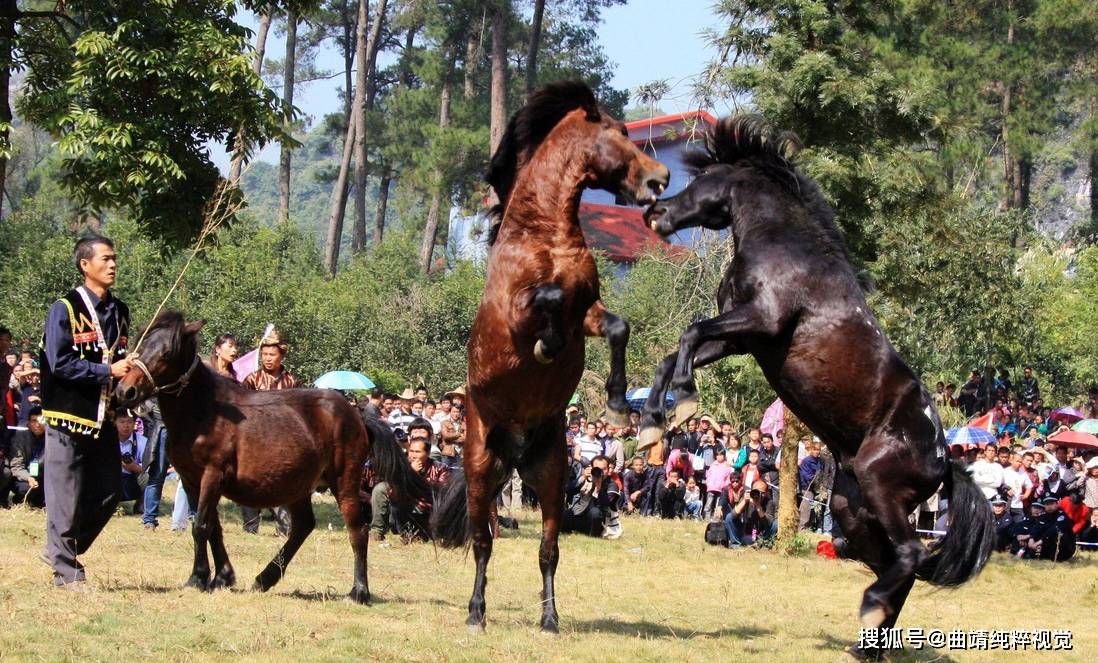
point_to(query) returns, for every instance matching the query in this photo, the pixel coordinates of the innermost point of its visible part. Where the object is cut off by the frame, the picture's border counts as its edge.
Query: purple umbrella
(1068, 415)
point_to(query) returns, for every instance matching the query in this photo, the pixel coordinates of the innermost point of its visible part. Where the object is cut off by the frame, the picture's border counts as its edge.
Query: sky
(647, 40)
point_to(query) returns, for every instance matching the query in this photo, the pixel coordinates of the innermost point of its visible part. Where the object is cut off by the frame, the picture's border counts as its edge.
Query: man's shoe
(150, 527)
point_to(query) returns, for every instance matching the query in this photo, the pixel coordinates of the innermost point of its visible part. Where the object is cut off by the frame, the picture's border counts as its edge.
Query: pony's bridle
(174, 388)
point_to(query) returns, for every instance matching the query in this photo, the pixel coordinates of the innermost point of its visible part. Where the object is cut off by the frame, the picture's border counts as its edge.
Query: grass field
(658, 593)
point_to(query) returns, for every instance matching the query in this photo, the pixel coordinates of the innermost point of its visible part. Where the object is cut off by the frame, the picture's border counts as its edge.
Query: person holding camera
(671, 494)
(752, 518)
(131, 446)
(591, 496)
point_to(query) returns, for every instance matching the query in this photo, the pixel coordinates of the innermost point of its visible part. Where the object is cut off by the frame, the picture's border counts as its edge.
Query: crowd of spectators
(1044, 497)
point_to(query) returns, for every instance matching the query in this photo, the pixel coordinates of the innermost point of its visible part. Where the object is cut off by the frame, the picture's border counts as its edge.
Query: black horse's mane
(526, 131)
(750, 139)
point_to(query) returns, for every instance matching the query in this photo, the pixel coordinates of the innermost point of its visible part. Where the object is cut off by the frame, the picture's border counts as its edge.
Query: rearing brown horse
(541, 299)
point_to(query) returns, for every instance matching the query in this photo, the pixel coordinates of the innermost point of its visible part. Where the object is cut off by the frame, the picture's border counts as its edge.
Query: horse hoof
(223, 581)
(196, 582)
(360, 596)
(868, 654)
(476, 629)
(649, 437)
(617, 419)
(685, 410)
(550, 626)
(540, 354)
(259, 586)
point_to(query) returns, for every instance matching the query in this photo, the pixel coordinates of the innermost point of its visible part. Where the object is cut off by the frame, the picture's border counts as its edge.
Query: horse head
(167, 357)
(616, 164)
(735, 144)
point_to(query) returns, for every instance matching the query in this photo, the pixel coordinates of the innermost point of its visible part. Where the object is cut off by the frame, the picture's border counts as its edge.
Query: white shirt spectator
(589, 447)
(988, 476)
(1019, 482)
(135, 446)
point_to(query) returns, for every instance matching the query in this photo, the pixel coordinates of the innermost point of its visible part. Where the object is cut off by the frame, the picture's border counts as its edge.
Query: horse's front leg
(209, 493)
(600, 322)
(718, 337)
(547, 304)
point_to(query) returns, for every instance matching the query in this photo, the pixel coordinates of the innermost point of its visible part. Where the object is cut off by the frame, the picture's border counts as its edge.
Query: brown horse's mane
(172, 321)
(526, 131)
(749, 139)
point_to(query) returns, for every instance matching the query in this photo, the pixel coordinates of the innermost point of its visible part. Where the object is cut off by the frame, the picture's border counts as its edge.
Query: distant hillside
(313, 171)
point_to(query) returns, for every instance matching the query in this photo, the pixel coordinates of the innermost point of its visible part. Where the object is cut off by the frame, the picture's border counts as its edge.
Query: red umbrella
(1074, 438)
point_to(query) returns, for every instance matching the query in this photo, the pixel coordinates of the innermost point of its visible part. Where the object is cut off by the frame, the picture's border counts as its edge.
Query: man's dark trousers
(83, 482)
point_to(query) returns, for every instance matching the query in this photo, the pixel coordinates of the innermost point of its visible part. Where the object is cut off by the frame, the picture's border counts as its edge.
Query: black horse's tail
(967, 544)
(450, 519)
(391, 463)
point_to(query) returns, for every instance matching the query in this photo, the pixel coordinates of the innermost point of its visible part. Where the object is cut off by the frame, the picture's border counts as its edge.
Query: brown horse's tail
(450, 519)
(391, 463)
(967, 544)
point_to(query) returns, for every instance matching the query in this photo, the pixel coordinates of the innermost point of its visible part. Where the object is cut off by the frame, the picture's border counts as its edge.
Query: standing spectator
(457, 397)
(27, 447)
(588, 445)
(807, 474)
(452, 438)
(1090, 487)
(753, 442)
(716, 481)
(768, 462)
(751, 472)
(84, 348)
(987, 472)
(693, 437)
(5, 381)
(1029, 390)
(271, 376)
(224, 354)
(157, 467)
(615, 451)
(1019, 487)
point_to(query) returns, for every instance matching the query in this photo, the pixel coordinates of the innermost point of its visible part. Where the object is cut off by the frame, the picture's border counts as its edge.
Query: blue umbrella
(968, 437)
(344, 380)
(637, 397)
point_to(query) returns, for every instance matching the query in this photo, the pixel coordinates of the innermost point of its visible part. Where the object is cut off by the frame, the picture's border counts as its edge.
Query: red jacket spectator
(1079, 513)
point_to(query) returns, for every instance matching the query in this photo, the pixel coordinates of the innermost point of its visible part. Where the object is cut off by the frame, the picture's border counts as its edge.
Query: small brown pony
(541, 298)
(260, 449)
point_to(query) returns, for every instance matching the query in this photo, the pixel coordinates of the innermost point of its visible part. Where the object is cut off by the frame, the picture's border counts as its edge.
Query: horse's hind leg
(886, 494)
(546, 473)
(351, 508)
(483, 477)
(600, 322)
(548, 300)
(302, 522)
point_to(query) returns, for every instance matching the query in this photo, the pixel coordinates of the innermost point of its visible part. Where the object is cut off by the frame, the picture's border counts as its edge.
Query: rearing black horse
(791, 299)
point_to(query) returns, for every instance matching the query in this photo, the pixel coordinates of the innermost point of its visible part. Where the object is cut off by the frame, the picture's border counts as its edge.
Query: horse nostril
(129, 394)
(657, 185)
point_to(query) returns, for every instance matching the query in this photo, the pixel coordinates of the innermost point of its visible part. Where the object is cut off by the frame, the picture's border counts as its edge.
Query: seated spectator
(752, 517)
(1023, 530)
(1089, 534)
(1004, 524)
(692, 499)
(393, 513)
(26, 460)
(634, 485)
(670, 495)
(1052, 538)
(131, 446)
(592, 497)
(716, 482)
(1075, 511)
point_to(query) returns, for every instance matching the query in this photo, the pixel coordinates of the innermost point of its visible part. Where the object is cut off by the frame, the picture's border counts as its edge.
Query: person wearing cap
(271, 376)
(456, 397)
(401, 414)
(1004, 523)
(1052, 538)
(1022, 531)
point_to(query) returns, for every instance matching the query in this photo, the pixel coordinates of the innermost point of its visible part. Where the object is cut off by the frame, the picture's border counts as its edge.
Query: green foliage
(136, 94)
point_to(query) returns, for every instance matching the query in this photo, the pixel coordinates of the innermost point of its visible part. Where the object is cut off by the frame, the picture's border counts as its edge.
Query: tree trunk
(363, 79)
(382, 203)
(288, 105)
(789, 521)
(440, 187)
(347, 22)
(1094, 189)
(241, 147)
(9, 11)
(534, 45)
(1005, 110)
(339, 190)
(498, 118)
(472, 61)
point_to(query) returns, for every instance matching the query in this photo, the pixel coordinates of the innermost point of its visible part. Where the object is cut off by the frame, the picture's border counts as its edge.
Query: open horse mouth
(653, 215)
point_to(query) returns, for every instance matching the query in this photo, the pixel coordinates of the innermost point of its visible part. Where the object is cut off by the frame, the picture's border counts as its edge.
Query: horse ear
(192, 328)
